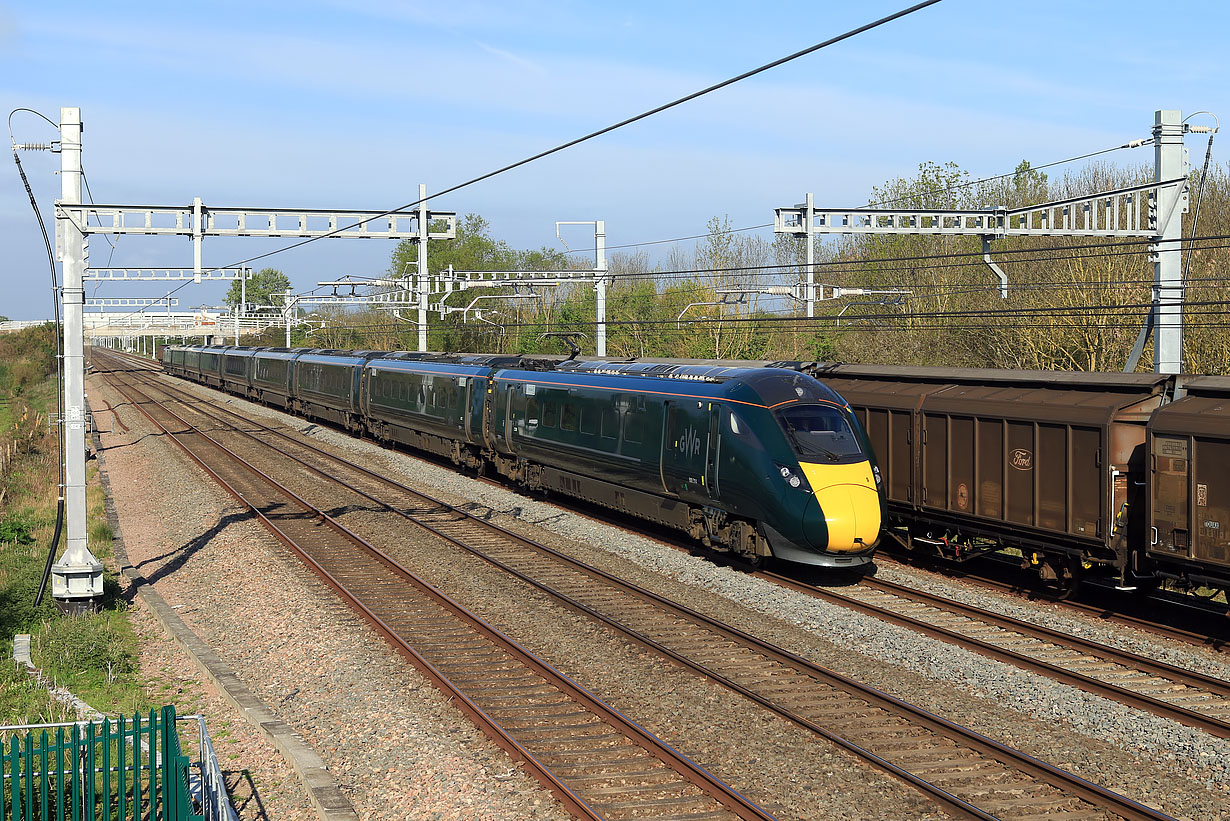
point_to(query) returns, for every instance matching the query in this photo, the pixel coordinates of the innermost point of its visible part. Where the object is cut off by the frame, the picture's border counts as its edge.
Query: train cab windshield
(820, 433)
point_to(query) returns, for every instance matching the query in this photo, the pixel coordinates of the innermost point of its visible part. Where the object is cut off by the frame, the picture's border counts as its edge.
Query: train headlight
(793, 479)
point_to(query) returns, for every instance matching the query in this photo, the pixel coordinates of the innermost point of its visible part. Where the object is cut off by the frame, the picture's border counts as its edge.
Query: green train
(756, 461)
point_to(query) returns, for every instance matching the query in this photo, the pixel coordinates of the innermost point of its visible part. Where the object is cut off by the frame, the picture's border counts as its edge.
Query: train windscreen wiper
(808, 448)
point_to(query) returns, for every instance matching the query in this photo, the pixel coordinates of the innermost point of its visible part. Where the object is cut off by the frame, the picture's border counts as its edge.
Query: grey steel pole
(1170, 162)
(600, 284)
(422, 267)
(76, 580)
(809, 295)
(243, 297)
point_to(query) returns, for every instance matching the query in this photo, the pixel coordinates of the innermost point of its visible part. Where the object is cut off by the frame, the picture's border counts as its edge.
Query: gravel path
(1152, 760)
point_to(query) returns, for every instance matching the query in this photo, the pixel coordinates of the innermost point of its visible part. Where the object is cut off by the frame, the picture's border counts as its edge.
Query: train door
(1171, 533)
(713, 456)
(498, 412)
(489, 413)
(467, 402)
(686, 437)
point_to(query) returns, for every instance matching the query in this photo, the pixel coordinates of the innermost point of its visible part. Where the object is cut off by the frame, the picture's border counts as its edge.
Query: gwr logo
(689, 443)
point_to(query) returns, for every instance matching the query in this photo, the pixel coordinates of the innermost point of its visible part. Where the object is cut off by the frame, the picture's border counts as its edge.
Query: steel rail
(1005, 755)
(1109, 614)
(715, 788)
(1209, 724)
(1191, 678)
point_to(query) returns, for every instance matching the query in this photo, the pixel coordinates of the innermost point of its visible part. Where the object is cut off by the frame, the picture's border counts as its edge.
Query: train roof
(1203, 411)
(766, 387)
(1069, 380)
(707, 372)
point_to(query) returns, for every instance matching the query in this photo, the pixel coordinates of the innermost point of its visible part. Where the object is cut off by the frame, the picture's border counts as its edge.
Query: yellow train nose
(849, 503)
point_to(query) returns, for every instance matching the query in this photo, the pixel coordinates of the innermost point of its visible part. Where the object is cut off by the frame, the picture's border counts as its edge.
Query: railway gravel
(368, 713)
(1056, 617)
(394, 743)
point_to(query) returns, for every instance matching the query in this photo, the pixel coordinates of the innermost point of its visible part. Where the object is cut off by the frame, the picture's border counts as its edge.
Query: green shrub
(92, 646)
(16, 530)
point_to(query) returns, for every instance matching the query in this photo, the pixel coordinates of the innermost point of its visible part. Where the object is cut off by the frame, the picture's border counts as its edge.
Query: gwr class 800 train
(753, 460)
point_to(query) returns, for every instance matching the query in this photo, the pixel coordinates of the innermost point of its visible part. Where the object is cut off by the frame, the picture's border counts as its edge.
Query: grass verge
(94, 656)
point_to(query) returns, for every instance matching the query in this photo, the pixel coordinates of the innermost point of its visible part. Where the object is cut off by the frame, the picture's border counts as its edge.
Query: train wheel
(1063, 575)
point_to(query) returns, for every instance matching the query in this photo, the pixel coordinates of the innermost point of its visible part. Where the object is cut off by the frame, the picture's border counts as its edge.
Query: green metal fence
(114, 769)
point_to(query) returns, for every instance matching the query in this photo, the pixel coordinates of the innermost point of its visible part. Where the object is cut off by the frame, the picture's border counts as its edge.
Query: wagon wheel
(1070, 575)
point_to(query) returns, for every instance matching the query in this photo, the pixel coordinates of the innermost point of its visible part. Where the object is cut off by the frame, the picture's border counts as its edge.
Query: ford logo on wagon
(1022, 459)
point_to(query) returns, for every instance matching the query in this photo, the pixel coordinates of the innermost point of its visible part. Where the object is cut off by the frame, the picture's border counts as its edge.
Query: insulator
(32, 146)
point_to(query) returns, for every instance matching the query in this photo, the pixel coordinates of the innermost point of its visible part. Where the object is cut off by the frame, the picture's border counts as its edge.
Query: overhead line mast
(1153, 211)
(77, 577)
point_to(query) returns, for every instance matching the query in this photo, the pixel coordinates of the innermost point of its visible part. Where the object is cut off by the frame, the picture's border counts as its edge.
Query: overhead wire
(608, 129)
(795, 321)
(1045, 254)
(874, 203)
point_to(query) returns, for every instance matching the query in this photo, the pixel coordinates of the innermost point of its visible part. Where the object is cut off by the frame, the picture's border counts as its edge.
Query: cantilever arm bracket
(986, 257)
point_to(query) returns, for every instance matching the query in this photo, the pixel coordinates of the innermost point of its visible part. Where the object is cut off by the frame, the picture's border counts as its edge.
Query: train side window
(634, 427)
(568, 417)
(741, 429)
(610, 423)
(550, 414)
(589, 420)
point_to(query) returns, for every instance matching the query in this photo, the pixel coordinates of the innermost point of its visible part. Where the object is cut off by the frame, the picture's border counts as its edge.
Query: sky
(331, 104)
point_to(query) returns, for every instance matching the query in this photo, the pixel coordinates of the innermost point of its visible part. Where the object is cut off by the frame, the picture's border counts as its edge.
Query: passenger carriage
(271, 375)
(237, 370)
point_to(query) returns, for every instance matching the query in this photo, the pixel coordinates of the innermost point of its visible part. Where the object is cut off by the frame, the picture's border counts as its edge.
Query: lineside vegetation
(94, 656)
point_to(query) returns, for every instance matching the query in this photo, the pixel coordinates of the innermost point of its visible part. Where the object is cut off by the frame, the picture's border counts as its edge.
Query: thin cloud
(512, 58)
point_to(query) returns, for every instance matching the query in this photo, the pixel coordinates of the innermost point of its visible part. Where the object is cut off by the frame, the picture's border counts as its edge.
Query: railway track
(1189, 697)
(599, 763)
(968, 774)
(1102, 605)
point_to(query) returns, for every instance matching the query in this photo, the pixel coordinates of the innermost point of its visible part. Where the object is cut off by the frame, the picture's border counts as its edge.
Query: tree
(261, 286)
(474, 249)
(4, 319)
